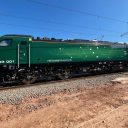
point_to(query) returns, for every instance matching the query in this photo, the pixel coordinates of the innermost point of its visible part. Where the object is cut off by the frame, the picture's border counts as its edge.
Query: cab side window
(23, 42)
(6, 42)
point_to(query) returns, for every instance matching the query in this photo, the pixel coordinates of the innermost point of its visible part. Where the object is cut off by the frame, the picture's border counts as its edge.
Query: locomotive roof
(79, 41)
(16, 35)
(91, 42)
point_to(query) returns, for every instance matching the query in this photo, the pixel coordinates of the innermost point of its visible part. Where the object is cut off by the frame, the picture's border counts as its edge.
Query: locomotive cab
(14, 54)
(14, 49)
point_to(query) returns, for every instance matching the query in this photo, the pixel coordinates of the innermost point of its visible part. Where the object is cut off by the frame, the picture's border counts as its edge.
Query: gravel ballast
(15, 96)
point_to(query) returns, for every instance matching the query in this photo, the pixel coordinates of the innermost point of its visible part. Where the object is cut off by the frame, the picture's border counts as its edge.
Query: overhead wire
(54, 22)
(60, 23)
(80, 12)
(76, 11)
(58, 30)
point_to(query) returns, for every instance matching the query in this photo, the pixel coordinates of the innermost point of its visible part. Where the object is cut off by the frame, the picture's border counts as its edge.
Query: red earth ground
(97, 107)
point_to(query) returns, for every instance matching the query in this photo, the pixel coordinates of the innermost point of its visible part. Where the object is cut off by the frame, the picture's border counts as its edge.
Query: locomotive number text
(7, 61)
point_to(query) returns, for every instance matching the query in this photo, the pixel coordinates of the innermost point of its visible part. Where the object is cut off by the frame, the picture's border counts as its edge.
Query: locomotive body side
(45, 52)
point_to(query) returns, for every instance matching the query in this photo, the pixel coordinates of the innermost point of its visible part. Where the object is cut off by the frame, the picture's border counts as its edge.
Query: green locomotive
(25, 59)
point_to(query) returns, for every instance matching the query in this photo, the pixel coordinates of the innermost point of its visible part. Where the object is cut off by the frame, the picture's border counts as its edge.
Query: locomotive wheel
(63, 76)
(29, 80)
(27, 76)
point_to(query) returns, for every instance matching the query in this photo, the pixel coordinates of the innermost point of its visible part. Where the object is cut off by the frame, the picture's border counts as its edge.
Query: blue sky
(74, 19)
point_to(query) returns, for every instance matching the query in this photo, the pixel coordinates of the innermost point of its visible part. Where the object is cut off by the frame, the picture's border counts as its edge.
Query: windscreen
(5, 42)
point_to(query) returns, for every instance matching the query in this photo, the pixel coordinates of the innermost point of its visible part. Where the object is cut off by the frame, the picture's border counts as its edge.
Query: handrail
(18, 55)
(29, 56)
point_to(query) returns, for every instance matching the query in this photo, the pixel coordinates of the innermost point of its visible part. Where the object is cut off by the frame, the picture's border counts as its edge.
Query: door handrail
(29, 55)
(18, 55)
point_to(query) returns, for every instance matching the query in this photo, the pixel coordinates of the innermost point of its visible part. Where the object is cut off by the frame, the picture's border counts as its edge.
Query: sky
(66, 19)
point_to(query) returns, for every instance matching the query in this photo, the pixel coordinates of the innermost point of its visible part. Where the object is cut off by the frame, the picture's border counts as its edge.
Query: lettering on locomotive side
(65, 60)
(7, 61)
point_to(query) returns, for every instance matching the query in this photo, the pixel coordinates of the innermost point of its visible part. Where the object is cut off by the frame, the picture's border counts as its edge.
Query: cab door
(23, 48)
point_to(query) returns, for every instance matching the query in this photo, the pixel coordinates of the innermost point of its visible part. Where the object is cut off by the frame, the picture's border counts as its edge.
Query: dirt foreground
(97, 107)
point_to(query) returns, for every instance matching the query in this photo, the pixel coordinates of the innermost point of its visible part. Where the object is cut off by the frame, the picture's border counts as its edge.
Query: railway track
(15, 94)
(15, 86)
